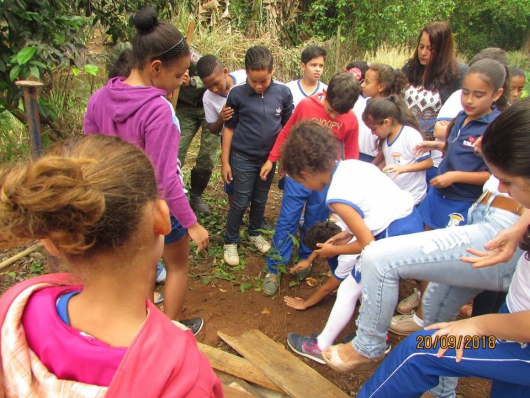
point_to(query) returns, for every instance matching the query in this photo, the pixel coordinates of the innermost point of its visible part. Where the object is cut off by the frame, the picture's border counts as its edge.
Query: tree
(37, 36)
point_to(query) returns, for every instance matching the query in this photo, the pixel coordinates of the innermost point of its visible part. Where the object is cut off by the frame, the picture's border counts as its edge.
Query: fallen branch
(18, 256)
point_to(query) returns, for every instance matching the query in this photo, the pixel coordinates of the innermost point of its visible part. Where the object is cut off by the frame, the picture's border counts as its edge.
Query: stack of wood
(266, 369)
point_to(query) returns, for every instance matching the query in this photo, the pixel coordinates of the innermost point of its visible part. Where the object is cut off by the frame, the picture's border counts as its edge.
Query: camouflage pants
(190, 119)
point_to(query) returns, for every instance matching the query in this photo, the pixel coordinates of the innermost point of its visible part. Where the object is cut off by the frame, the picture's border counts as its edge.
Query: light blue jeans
(432, 256)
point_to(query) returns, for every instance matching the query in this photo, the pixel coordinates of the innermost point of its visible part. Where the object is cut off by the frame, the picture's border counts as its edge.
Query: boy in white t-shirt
(312, 64)
(218, 82)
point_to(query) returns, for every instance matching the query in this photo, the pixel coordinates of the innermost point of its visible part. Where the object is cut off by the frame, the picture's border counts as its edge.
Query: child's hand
(499, 250)
(341, 238)
(396, 169)
(295, 302)
(199, 235)
(443, 181)
(326, 250)
(302, 265)
(266, 169)
(427, 146)
(226, 173)
(185, 78)
(459, 329)
(226, 113)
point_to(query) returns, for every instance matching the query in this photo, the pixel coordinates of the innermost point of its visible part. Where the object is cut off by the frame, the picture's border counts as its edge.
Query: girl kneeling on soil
(358, 195)
(92, 333)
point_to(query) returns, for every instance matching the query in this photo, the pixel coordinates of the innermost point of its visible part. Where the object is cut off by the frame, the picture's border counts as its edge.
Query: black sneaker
(194, 324)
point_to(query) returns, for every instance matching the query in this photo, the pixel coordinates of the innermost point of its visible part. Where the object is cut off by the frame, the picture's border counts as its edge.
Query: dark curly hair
(320, 233)
(394, 80)
(506, 144)
(207, 65)
(310, 147)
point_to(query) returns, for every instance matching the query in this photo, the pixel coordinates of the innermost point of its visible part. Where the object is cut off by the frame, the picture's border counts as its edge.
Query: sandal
(332, 358)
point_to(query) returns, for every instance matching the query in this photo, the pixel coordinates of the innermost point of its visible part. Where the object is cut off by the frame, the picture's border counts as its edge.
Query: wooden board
(237, 366)
(231, 392)
(293, 376)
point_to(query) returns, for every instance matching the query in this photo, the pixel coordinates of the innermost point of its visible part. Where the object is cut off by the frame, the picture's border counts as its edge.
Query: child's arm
(409, 168)
(300, 304)
(226, 170)
(426, 146)
(351, 137)
(465, 177)
(379, 160)
(355, 224)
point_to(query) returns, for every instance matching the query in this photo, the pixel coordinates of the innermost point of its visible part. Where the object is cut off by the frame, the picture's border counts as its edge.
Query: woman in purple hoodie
(136, 110)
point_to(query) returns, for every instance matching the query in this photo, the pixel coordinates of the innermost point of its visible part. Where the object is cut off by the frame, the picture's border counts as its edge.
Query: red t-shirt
(345, 127)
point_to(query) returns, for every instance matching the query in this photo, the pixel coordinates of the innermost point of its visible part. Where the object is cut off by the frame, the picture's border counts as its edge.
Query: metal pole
(29, 89)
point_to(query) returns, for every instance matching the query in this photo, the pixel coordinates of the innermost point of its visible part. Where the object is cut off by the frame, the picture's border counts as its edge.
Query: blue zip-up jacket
(461, 156)
(258, 118)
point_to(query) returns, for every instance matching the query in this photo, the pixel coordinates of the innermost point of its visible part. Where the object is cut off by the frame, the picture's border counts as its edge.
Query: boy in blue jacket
(262, 106)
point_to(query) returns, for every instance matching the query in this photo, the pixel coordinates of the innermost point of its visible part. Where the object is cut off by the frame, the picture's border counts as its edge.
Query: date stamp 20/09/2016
(455, 342)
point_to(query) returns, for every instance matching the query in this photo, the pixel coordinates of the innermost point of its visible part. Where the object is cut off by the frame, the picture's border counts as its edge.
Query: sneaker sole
(320, 361)
(405, 313)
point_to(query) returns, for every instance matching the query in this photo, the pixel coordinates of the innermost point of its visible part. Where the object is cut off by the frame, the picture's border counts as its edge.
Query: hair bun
(145, 20)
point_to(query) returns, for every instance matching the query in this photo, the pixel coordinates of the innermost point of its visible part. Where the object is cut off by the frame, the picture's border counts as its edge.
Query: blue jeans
(249, 189)
(295, 196)
(432, 256)
(410, 370)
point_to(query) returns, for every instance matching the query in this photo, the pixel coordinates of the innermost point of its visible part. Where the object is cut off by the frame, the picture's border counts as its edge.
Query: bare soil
(224, 307)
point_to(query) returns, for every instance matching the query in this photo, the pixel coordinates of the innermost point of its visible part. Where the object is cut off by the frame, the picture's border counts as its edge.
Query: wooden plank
(236, 366)
(231, 392)
(282, 367)
(229, 380)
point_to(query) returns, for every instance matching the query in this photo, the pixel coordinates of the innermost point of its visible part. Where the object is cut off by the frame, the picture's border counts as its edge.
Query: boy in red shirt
(332, 109)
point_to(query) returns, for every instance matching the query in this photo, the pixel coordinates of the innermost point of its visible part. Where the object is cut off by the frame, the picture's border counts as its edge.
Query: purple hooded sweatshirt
(143, 117)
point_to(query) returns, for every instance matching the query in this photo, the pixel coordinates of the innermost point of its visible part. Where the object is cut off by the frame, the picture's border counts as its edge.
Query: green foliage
(37, 36)
(370, 23)
(490, 23)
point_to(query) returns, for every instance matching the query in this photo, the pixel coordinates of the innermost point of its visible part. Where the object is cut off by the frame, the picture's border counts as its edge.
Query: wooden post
(29, 89)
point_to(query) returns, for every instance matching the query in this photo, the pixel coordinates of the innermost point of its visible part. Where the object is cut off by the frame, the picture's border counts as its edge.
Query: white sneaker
(261, 244)
(409, 304)
(230, 254)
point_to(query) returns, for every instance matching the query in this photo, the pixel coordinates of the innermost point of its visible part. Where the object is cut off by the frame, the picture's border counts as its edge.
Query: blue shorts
(437, 212)
(177, 231)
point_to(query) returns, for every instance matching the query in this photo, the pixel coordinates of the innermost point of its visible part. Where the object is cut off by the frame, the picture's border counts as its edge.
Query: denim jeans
(295, 196)
(432, 256)
(249, 188)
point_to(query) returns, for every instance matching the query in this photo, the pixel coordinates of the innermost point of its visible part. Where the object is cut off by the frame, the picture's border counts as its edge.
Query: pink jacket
(163, 360)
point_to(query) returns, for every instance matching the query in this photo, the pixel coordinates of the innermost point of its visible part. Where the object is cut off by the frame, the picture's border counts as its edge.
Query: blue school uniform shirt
(460, 156)
(258, 118)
